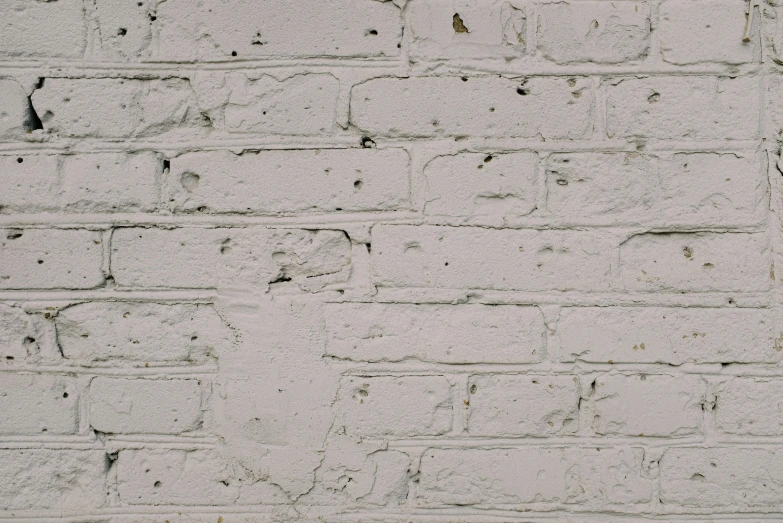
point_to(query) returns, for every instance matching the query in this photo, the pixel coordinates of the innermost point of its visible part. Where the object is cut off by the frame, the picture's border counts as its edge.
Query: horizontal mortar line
(60, 67)
(202, 371)
(163, 295)
(89, 441)
(714, 299)
(576, 368)
(205, 220)
(529, 441)
(488, 144)
(457, 67)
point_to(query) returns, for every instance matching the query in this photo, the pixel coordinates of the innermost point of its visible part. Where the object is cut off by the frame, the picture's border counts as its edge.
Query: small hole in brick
(653, 98)
(562, 182)
(522, 91)
(40, 262)
(202, 208)
(65, 394)
(9, 358)
(19, 160)
(233, 53)
(464, 78)
(491, 109)
(446, 264)
(473, 388)
(193, 338)
(371, 32)
(358, 184)
(488, 159)
(157, 484)
(399, 46)
(122, 31)
(153, 18)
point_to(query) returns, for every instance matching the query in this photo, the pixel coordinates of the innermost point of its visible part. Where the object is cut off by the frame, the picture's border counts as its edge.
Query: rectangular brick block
(476, 30)
(436, 333)
(14, 114)
(670, 335)
(698, 262)
(722, 477)
(133, 332)
(50, 259)
(15, 333)
(695, 189)
(142, 406)
(597, 32)
(222, 30)
(103, 182)
(202, 258)
(687, 107)
(290, 181)
(38, 404)
(478, 185)
(461, 476)
(117, 107)
(61, 479)
(188, 477)
(396, 406)
(749, 406)
(301, 105)
(704, 31)
(522, 405)
(647, 405)
(124, 29)
(42, 29)
(503, 259)
(549, 107)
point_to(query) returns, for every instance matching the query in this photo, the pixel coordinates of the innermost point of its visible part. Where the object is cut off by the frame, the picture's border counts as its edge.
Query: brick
(704, 31)
(698, 262)
(672, 335)
(116, 107)
(139, 406)
(494, 29)
(220, 30)
(42, 29)
(61, 479)
(695, 189)
(467, 257)
(437, 333)
(749, 406)
(131, 331)
(467, 476)
(722, 477)
(301, 105)
(597, 32)
(522, 405)
(396, 406)
(774, 110)
(647, 405)
(38, 404)
(15, 329)
(13, 110)
(104, 182)
(50, 259)
(125, 29)
(188, 477)
(479, 184)
(290, 181)
(688, 107)
(548, 107)
(202, 258)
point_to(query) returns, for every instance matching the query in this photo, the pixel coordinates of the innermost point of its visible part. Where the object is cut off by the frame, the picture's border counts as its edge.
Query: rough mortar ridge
(391, 261)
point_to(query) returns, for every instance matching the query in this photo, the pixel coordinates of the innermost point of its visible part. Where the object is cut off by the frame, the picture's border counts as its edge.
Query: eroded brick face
(407, 261)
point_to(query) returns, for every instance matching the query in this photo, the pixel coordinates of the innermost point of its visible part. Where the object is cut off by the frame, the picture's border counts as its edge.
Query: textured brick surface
(419, 261)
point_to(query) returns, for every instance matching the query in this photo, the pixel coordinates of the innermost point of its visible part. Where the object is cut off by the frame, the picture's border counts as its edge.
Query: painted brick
(696, 262)
(749, 406)
(145, 257)
(38, 404)
(396, 406)
(117, 331)
(647, 405)
(14, 119)
(481, 106)
(50, 259)
(480, 184)
(522, 405)
(597, 32)
(670, 335)
(272, 182)
(437, 333)
(686, 107)
(15, 329)
(42, 29)
(563, 475)
(685, 188)
(426, 256)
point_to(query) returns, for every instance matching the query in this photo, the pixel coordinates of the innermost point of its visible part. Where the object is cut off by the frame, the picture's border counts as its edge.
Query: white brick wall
(417, 261)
